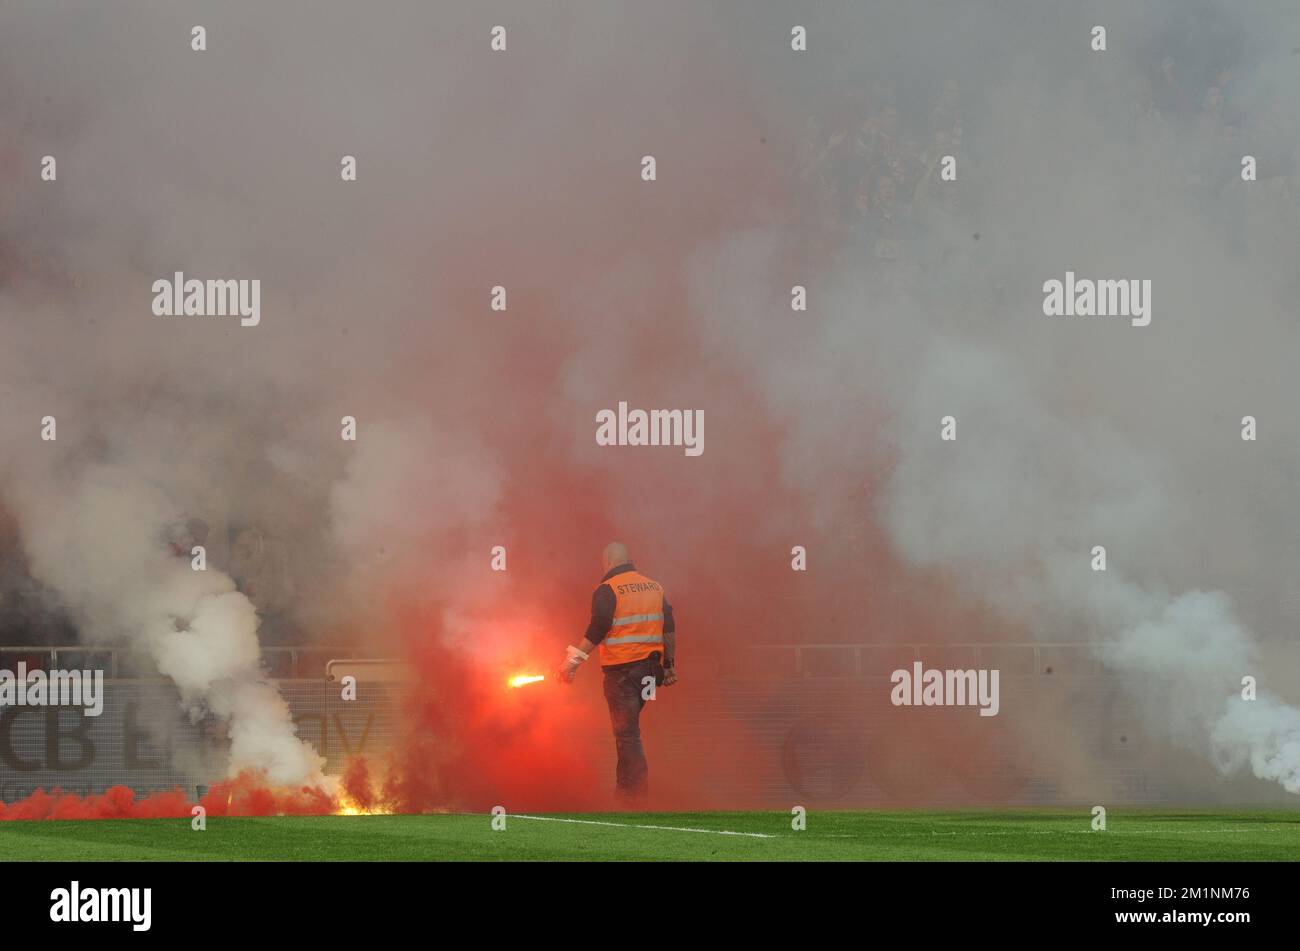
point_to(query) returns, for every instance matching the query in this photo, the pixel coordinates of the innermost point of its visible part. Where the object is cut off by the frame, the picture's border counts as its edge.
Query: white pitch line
(631, 825)
(1112, 832)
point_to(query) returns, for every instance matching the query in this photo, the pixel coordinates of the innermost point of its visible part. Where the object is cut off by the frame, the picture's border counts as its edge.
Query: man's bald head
(615, 554)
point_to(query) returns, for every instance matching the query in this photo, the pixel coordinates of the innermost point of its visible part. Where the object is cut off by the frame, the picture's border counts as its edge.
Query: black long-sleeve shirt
(603, 601)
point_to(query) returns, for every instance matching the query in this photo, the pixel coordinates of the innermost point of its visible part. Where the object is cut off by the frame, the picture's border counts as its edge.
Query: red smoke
(245, 795)
(119, 802)
(716, 530)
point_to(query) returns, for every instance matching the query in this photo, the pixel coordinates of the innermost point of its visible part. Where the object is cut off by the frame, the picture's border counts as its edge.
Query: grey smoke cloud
(1073, 434)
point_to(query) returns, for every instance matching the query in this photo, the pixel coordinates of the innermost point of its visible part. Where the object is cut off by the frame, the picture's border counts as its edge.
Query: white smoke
(1018, 519)
(1071, 434)
(99, 537)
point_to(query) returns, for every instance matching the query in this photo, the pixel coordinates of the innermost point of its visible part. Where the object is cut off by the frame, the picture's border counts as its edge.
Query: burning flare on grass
(347, 806)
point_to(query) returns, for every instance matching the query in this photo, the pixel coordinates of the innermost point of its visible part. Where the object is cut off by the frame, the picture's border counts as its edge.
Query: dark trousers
(623, 693)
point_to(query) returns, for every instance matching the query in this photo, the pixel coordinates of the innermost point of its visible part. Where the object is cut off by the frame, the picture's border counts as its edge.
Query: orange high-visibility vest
(638, 628)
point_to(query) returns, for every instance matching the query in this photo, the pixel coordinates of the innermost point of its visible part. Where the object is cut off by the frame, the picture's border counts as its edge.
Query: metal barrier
(812, 721)
(799, 660)
(877, 659)
(288, 663)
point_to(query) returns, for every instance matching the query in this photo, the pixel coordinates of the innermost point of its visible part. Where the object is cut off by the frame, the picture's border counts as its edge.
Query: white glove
(573, 659)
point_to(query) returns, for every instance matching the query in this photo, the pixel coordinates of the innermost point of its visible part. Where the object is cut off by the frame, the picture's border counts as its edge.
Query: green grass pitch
(1047, 835)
